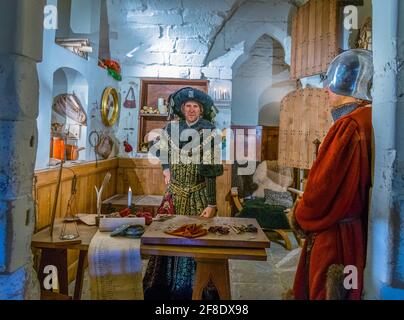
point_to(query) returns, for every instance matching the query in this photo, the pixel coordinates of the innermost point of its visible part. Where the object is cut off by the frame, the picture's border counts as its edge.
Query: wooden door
(305, 117)
(315, 38)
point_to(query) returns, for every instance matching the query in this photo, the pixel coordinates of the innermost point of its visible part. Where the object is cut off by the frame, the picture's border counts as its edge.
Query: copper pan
(72, 152)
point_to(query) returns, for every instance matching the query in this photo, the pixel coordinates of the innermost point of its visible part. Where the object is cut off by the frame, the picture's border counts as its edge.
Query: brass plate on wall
(110, 101)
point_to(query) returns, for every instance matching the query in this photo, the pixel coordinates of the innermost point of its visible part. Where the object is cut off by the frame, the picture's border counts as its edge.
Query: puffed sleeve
(162, 147)
(211, 166)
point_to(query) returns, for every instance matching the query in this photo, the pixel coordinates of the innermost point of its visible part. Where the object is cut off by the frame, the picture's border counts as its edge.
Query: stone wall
(192, 39)
(168, 39)
(81, 76)
(19, 87)
(260, 83)
(257, 34)
(384, 278)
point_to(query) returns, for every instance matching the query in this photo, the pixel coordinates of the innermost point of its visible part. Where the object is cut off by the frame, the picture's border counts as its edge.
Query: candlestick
(130, 197)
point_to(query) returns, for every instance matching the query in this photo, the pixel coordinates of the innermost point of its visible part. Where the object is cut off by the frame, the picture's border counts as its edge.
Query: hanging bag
(130, 100)
(105, 146)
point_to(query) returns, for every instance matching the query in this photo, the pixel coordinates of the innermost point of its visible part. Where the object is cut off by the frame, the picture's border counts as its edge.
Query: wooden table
(54, 252)
(211, 251)
(119, 202)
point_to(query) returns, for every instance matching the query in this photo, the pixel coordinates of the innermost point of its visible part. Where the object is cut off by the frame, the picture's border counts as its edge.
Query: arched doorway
(261, 80)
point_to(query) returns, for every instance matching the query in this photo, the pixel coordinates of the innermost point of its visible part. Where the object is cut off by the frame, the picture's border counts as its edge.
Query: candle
(129, 197)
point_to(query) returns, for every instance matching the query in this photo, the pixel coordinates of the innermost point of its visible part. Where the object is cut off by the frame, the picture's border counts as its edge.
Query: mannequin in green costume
(192, 187)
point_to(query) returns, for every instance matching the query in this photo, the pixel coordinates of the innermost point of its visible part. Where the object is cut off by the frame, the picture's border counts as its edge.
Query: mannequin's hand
(167, 176)
(209, 212)
(292, 210)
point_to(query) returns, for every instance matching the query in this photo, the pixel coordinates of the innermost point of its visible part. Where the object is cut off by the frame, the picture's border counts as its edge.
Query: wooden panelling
(140, 174)
(223, 189)
(304, 117)
(270, 143)
(88, 176)
(315, 32)
(143, 176)
(147, 178)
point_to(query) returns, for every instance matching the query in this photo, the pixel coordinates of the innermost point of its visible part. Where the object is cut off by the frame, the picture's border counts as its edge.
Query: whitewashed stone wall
(19, 90)
(260, 83)
(189, 39)
(61, 71)
(169, 38)
(250, 33)
(384, 277)
(252, 20)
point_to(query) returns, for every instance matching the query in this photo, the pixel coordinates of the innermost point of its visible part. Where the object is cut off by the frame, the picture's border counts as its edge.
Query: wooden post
(214, 271)
(55, 203)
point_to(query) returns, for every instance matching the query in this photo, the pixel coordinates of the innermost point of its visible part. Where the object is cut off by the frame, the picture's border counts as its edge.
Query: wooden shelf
(153, 115)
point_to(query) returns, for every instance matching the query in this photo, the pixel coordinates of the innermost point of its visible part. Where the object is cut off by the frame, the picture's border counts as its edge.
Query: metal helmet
(351, 74)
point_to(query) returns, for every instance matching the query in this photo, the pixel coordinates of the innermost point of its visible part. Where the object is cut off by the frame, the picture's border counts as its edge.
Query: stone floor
(251, 280)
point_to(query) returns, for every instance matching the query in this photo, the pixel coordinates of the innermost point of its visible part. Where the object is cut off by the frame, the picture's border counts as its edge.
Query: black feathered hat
(178, 98)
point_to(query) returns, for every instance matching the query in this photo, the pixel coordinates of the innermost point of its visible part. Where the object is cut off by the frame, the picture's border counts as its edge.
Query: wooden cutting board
(155, 233)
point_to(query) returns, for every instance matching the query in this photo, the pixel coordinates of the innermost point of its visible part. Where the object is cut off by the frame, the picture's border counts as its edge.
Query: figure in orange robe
(333, 210)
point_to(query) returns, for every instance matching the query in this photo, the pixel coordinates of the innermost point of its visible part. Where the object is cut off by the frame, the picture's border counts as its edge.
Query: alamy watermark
(50, 21)
(51, 282)
(351, 278)
(207, 147)
(351, 14)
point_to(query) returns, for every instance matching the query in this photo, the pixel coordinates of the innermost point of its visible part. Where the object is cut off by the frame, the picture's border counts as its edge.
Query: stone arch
(68, 80)
(248, 45)
(270, 102)
(249, 23)
(260, 80)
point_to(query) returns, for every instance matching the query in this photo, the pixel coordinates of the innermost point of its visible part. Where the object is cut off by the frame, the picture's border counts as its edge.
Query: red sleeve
(333, 180)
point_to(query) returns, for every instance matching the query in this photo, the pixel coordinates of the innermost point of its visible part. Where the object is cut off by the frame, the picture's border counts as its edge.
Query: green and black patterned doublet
(193, 185)
(188, 190)
(193, 188)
